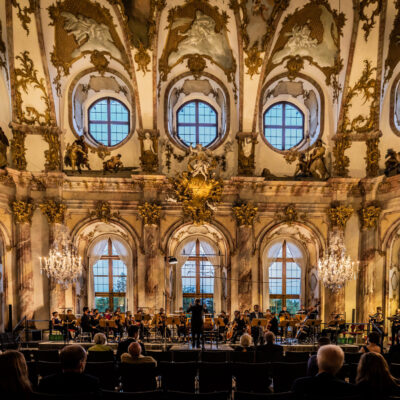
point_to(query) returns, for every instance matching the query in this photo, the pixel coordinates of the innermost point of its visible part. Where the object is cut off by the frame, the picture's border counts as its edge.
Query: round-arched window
(197, 123)
(108, 121)
(283, 125)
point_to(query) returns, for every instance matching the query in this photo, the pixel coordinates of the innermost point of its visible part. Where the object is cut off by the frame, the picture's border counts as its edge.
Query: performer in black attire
(239, 325)
(396, 327)
(197, 311)
(274, 325)
(86, 321)
(256, 331)
(284, 315)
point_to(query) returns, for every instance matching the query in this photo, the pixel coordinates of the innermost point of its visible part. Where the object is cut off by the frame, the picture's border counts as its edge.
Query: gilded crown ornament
(198, 188)
(22, 211)
(54, 211)
(150, 213)
(369, 216)
(339, 214)
(245, 214)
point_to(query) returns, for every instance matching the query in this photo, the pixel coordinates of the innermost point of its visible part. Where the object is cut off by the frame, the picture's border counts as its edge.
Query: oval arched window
(283, 125)
(108, 121)
(197, 123)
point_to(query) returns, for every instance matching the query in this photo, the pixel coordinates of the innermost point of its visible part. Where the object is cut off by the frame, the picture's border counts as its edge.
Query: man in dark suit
(133, 336)
(330, 359)
(71, 379)
(256, 331)
(196, 322)
(86, 321)
(272, 351)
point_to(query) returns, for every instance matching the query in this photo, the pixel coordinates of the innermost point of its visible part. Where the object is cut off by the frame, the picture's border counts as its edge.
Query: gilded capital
(339, 214)
(54, 211)
(369, 216)
(22, 211)
(103, 212)
(150, 213)
(245, 214)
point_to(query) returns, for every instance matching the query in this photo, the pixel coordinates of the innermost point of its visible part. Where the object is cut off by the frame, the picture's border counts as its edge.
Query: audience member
(100, 343)
(274, 351)
(312, 365)
(133, 335)
(134, 356)
(372, 344)
(245, 343)
(72, 379)
(14, 377)
(374, 380)
(330, 360)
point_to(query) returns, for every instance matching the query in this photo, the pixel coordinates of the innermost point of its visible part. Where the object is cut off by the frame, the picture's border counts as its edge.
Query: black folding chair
(160, 355)
(296, 356)
(254, 377)
(215, 377)
(238, 356)
(138, 377)
(48, 355)
(46, 368)
(100, 356)
(178, 376)
(284, 374)
(214, 356)
(395, 370)
(106, 373)
(78, 396)
(185, 356)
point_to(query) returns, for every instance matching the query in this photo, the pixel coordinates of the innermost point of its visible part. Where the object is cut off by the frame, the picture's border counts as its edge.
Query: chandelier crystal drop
(335, 269)
(63, 264)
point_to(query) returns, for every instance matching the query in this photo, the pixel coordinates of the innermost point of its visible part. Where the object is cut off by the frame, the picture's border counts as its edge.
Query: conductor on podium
(197, 311)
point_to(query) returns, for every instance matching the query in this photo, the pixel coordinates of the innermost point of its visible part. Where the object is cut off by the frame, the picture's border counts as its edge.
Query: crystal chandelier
(63, 264)
(335, 269)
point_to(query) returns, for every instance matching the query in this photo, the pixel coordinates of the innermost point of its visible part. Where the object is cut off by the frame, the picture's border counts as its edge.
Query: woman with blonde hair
(14, 376)
(245, 343)
(374, 380)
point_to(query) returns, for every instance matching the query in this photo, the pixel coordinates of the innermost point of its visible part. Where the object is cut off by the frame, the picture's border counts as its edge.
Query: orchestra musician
(196, 322)
(181, 327)
(302, 310)
(85, 322)
(162, 325)
(223, 329)
(274, 324)
(256, 331)
(71, 322)
(284, 315)
(143, 325)
(107, 314)
(56, 323)
(238, 326)
(377, 321)
(396, 327)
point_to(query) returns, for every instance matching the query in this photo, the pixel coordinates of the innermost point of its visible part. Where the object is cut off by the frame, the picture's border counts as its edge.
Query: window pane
(119, 302)
(102, 303)
(275, 286)
(292, 286)
(100, 268)
(275, 305)
(119, 284)
(293, 270)
(187, 301)
(101, 284)
(275, 270)
(293, 305)
(189, 285)
(209, 302)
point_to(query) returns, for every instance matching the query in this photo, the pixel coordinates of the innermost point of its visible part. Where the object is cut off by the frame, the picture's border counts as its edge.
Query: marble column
(244, 249)
(154, 275)
(25, 271)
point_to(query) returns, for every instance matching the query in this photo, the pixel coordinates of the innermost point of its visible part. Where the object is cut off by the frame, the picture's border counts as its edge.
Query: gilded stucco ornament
(339, 214)
(369, 10)
(103, 212)
(22, 211)
(367, 89)
(264, 16)
(23, 13)
(196, 28)
(289, 215)
(18, 149)
(3, 62)
(373, 156)
(26, 77)
(54, 210)
(369, 215)
(84, 28)
(150, 213)
(311, 34)
(198, 188)
(246, 152)
(149, 149)
(245, 214)
(53, 155)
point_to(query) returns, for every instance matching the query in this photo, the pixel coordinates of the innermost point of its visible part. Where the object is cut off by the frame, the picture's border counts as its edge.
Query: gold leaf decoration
(103, 212)
(150, 213)
(23, 13)
(245, 214)
(53, 154)
(369, 215)
(22, 211)
(369, 21)
(373, 156)
(339, 214)
(18, 149)
(54, 211)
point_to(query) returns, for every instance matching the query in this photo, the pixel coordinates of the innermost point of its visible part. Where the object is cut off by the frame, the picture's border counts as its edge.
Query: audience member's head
(135, 350)
(330, 359)
(73, 358)
(245, 340)
(323, 341)
(99, 338)
(14, 373)
(373, 370)
(133, 331)
(269, 337)
(374, 338)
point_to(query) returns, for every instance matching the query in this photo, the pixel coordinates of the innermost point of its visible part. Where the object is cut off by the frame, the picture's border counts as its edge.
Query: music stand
(283, 325)
(107, 324)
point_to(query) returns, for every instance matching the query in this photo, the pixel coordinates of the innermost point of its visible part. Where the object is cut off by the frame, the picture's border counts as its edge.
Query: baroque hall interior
(212, 149)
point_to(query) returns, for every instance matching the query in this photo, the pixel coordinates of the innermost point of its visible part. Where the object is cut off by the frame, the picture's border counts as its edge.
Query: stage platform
(159, 346)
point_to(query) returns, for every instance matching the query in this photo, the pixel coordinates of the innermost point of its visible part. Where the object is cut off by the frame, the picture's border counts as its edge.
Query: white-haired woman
(100, 343)
(246, 343)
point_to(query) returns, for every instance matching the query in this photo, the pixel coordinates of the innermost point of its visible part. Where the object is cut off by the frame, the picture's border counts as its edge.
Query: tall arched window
(108, 121)
(110, 275)
(198, 278)
(197, 123)
(283, 125)
(284, 278)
